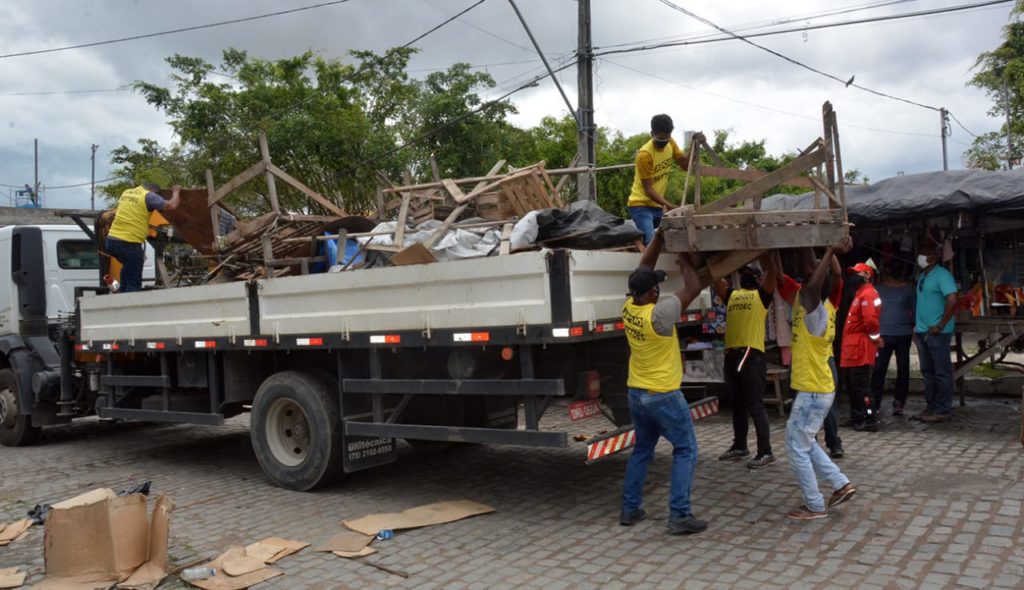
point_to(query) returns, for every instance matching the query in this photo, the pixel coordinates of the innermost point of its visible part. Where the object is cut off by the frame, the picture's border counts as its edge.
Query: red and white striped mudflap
(704, 408)
(610, 445)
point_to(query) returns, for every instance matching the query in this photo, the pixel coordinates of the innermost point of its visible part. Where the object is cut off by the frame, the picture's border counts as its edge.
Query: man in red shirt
(861, 339)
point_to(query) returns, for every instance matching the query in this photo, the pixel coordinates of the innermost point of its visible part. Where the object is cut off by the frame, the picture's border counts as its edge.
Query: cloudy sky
(721, 85)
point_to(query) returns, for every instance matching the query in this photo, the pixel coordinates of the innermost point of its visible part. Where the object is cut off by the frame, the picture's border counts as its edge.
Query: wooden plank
(756, 237)
(830, 170)
(705, 221)
(214, 217)
(565, 178)
(434, 170)
(275, 205)
(538, 193)
(506, 239)
(403, 211)
(453, 189)
(840, 179)
(513, 191)
(553, 197)
(326, 203)
(443, 228)
(711, 153)
(984, 355)
(233, 184)
(769, 181)
(379, 199)
(697, 173)
(819, 188)
(414, 254)
(483, 188)
(689, 171)
(726, 263)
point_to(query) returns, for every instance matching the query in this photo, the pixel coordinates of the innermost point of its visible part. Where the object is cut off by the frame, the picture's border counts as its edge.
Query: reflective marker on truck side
(309, 342)
(111, 346)
(609, 327)
(255, 342)
(567, 332)
(206, 344)
(471, 337)
(156, 345)
(385, 339)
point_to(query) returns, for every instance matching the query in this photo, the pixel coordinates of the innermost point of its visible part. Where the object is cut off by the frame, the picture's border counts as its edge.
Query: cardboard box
(99, 538)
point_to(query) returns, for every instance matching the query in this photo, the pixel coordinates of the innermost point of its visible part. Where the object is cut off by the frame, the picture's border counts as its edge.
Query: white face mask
(922, 261)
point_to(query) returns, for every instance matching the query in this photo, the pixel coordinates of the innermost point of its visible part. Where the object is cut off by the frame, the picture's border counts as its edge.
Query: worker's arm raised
(175, 199)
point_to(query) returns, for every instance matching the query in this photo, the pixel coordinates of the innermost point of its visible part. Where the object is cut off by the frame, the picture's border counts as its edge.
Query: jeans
(862, 410)
(901, 346)
(655, 415)
(805, 456)
(132, 257)
(746, 392)
(647, 219)
(937, 370)
(832, 439)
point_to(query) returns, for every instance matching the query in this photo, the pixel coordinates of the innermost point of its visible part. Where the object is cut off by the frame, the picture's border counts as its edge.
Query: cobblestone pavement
(938, 506)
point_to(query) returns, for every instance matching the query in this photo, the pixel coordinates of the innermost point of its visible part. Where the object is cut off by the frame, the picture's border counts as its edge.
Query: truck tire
(296, 430)
(16, 429)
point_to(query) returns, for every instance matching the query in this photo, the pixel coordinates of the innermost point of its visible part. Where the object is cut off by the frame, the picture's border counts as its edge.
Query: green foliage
(336, 126)
(1000, 73)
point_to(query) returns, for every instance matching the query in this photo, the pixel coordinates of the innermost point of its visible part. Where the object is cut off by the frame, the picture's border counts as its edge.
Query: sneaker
(686, 525)
(836, 452)
(632, 517)
(805, 513)
(733, 455)
(897, 409)
(841, 495)
(761, 461)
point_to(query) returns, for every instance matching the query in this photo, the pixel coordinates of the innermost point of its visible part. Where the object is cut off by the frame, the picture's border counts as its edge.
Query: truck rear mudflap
(623, 438)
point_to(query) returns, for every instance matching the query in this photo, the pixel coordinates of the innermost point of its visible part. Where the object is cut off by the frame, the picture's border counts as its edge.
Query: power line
(443, 23)
(969, 132)
(795, 62)
(174, 31)
(55, 92)
(484, 31)
(929, 12)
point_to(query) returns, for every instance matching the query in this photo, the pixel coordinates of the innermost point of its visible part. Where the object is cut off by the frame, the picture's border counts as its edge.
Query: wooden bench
(777, 376)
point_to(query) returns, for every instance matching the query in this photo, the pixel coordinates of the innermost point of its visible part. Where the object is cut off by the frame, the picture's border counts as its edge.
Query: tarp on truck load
(917, 196)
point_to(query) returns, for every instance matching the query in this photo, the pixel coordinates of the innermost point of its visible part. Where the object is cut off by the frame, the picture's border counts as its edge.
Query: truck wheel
(296, 430)
(16, 429)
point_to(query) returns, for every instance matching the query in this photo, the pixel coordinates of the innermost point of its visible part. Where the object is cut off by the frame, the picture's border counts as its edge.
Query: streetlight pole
(92, 183)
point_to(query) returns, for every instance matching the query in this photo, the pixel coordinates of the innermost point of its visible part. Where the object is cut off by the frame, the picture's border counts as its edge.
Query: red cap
(862, 267)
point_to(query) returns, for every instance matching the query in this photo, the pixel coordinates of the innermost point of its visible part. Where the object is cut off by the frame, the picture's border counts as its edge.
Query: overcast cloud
(727, 85)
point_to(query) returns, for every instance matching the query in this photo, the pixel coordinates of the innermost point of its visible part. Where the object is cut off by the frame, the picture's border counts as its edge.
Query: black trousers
(900, 346)
(746, 390)
(858, 380)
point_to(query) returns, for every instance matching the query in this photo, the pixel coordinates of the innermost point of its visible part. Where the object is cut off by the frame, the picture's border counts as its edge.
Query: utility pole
(35, 186)
(92, 183)
(585, 88)
(1009, 138)
(944, 119)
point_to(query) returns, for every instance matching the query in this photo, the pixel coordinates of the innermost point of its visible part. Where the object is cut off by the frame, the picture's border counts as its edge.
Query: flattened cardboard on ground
(239, 566)
(222, 581)
(346, 542)
(430, 514)
(10, 577)
(355, 554)
(285, 547)
(263, 551)
(14, 531)
(99, 538)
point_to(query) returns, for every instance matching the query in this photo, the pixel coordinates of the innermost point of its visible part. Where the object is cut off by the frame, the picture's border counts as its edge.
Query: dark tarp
(918, 196)
(585, 226)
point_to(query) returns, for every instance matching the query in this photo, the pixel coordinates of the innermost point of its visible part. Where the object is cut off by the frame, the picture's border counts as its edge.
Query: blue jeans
(132, 257)
(656, 415)
(647, 219)
(937, 370)
(805, 456)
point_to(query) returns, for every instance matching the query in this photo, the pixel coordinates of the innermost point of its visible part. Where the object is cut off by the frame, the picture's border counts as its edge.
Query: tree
(1000, 73)
(855, 176)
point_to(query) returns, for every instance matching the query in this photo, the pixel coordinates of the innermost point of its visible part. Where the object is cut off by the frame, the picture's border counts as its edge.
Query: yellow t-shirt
(131, 224)
(811, 371)
(652, 164)
(744, 320)
(655, 362)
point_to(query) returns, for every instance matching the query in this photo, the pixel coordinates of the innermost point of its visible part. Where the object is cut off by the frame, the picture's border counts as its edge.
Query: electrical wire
(795, 62)
(969, 132)
(175, 31)
(484, 31)
(455, 16)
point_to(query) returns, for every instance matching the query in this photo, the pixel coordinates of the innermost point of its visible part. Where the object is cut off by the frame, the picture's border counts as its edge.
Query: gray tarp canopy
(918, 196)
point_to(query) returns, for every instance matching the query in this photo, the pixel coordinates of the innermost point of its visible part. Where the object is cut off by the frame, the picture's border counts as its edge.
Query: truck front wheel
(296, 430)
(16, 429)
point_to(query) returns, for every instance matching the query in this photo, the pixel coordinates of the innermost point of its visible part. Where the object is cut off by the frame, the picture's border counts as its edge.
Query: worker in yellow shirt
(746, 369)
(654, 160)
(655, 400)
(814, 329)
(126, 240)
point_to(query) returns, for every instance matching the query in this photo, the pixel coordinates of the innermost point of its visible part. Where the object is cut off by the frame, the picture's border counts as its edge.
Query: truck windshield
(77, 254)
